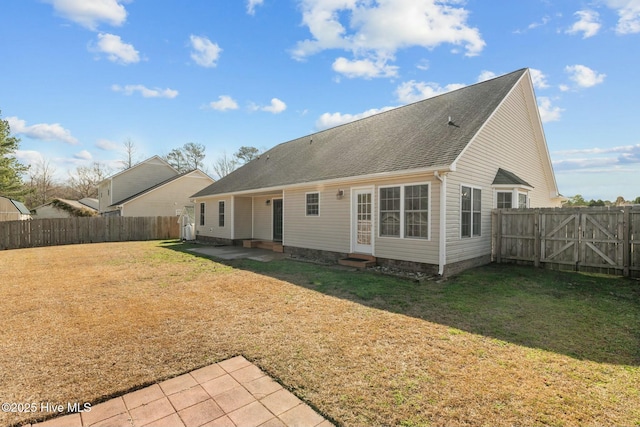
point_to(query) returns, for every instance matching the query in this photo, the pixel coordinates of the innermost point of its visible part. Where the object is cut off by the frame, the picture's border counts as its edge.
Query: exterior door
(277, 220)
(362, 217)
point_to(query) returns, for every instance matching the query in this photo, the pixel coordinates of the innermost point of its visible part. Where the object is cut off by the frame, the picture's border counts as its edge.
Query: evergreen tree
(11, 170)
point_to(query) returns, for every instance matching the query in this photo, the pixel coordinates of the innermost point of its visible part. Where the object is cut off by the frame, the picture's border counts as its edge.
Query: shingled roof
(414, 136)
(504, 177)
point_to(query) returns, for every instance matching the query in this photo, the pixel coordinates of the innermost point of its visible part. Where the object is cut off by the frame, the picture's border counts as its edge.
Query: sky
(79, 78)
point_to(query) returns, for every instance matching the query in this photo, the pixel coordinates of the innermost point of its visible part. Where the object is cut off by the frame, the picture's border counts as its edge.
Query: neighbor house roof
(150, 189)
(20, 206)
(155, 158)
(427, 134)
(504, 177)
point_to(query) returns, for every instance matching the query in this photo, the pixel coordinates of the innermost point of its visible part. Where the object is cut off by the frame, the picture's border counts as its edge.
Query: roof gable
(162, 184)
(427, 134)
(151, 160)
(504, 177)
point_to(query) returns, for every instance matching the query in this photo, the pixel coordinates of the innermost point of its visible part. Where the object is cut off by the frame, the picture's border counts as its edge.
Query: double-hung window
(404, 211)
(313, 204)
(471, 208)
(221, 214)
(201, 213)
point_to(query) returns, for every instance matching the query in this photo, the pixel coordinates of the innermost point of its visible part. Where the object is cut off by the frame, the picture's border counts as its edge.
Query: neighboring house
(63, 208)
(13, 210)
(151, 188)
(413, 186)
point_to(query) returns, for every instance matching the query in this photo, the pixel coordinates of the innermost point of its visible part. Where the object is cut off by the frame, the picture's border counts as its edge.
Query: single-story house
(150, 188)
(64, 208)
(411, 187)
(13, 210)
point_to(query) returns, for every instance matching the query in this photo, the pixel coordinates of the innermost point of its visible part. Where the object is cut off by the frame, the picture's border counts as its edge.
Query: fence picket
(605, 240)
(65, 231)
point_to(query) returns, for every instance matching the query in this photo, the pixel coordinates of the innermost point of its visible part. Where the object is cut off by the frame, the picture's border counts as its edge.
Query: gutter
(442, 244)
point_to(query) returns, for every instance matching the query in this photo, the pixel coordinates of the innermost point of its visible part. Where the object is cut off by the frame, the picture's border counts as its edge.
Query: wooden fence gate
(605, 240)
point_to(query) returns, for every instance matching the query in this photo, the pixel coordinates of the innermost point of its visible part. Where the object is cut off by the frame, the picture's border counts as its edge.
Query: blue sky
(80, 77)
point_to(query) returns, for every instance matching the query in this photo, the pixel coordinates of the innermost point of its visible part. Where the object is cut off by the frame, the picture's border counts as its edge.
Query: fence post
(536, 232)
(626, 240)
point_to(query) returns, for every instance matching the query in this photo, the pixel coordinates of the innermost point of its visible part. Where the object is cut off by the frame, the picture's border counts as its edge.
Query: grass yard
(498, 345)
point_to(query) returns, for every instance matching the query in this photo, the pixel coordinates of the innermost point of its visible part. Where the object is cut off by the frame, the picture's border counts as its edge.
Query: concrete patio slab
(234, 392)
(237, 252)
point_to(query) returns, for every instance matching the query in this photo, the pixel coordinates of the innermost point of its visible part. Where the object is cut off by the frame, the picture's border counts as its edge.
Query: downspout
(442, 250)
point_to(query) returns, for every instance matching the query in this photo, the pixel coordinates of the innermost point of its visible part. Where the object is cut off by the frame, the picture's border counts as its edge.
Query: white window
(404, 211)
(313, 204)
(505, 199)
(523, 200)
(471, 211)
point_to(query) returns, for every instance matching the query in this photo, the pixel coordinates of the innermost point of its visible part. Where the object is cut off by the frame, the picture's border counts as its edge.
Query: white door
(362, 217)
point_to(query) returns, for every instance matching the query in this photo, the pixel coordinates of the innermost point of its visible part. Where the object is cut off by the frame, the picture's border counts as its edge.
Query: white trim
(442, 243)
(253, 201)
(402, 210)
(233, 231)
(306, 202)
(272, 217)
(354, 200)
(471, 236)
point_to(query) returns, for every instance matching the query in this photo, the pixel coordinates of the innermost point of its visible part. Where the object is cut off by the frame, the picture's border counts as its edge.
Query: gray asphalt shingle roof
(504, 177)
(414, 136)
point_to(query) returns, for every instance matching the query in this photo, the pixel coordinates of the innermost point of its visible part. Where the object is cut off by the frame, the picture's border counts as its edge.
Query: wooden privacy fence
(66, 231)
(605, 240)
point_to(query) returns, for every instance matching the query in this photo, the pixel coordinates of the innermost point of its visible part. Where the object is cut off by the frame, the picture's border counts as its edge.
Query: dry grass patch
(86, 322)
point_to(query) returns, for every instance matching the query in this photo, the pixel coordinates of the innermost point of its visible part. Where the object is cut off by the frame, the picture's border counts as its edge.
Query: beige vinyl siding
(242, 222)
(8, 212)
(104, 195)
(211, 227)
(263, 218)
(509, 141)
(166, 199)
(331, 230)
(328, 231)
(139, 178)
(50, 211)
(411, 249)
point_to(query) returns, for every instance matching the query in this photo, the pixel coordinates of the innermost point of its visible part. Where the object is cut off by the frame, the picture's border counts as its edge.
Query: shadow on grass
(583, 316)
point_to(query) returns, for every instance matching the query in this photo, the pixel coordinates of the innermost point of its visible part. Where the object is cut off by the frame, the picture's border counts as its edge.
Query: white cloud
(224, 103)
(413, 91)
(328, 120)
(378, 29)
(486, 75)
(29, 157)
(587, 24)
(106, 145)
(548, 112)
(115, 49)
(251, 6)
(629, 15)
(205, 53)
(276, 106)
(538, 78)
(42, 131)
(584, 76)
(83, 155)
(145, 92)
(364, 68)
(593, 158)
(89, 13)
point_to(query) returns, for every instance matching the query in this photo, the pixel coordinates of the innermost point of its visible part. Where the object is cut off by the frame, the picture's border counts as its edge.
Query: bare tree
(224, 165)
(84, 181)
(130, 151)
(41, 183)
